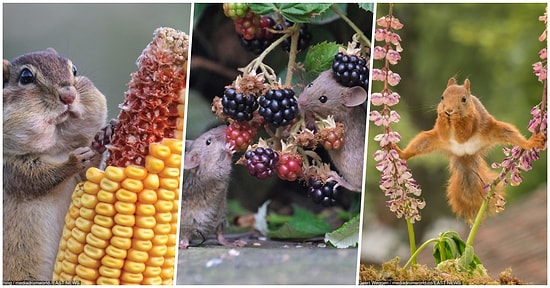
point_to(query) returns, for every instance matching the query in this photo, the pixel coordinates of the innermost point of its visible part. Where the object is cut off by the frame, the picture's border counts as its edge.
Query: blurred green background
(494, 46)
(103, 40)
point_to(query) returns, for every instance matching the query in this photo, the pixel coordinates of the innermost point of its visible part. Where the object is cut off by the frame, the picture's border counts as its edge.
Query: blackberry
(350, 70)
(248, 25)
(304, 38)
(263, 37)
(237, 105)
(278, 106)
(323, 193)
(261, 162)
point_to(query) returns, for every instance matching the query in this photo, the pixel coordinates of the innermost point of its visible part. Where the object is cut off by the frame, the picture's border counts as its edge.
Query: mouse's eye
(26, 77)
(323, 99)
(463, 99)
(208, 141)
(74, 70)
(310, 84)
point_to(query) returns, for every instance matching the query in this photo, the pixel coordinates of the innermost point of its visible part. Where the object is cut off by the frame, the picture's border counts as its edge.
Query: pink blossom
(542, 53)
(393, 56)
(379, 34)
(378, 75)
(379, 52)
(393, 78)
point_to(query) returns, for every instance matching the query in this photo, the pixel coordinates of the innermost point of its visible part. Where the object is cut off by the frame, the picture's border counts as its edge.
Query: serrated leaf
(319, 57)
(302, 12)
(329, 15)
(366, 6)
(263, 8)
(303, 225)
(260, 219)
(346, 236)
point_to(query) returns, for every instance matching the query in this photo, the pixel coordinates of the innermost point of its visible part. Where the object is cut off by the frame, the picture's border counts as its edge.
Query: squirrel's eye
(441, 97)
(208, 141)
(74, 70)
(26, 77)
(323, 99)
(463, 99)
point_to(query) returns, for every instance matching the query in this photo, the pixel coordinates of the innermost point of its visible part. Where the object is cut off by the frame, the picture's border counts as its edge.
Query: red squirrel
(465, 131)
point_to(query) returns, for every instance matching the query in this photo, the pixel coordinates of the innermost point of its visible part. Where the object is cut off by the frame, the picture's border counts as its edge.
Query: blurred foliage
(103, 40)
(494, 46)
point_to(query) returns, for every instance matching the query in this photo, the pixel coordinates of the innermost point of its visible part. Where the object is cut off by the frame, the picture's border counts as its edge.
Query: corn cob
(121, 224)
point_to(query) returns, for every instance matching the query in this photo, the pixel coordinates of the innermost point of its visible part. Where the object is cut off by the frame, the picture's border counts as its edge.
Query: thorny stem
(362, 36)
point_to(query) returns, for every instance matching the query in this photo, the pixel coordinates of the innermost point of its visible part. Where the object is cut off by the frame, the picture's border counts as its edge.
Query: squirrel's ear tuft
(467, 85)
(452, 81)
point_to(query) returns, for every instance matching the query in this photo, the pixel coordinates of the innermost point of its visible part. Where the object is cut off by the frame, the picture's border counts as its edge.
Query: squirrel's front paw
(538, 140)
(82, 157)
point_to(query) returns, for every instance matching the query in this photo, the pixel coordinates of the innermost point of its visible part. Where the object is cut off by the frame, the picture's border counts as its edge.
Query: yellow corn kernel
(109, 272)
(153, 164)
(147, 196)
(86, 273)
(104, 221)
(71, 257)
(158, 250)
(83, 281)
(134, 267)
(159, 150)
(69, 267)
(135, 172)
(115, 173)
(125, 208)
(126, 196)
(107, 281)
(152, 271)
(101, 232)
(131, 278)
(105, 196)
(170, 251)
(88, 201)
(143, 233)
(169, 183)
(116, 252)
(123, 231)
(137, 256)
(146, 221)
(170, 172)
(155, 261)
(163, 217)
(109, 185)
(156, 280)
(87, 213)
(84, 225)
(78, 235)
(142, 245)
(172, 239)
(94, 175)
(125, 219)
(145, 209)
(164, 205)
(105, 209)
(162, 228)
(112, 262)
(175, 145)
(96, 241)
(173, 161)
(91, 187)
(74, 211)
(88, 261)
(165, 194)
(151, 181)
(167, 273)
(160, 239)
(94, 252)
(121, 242)
(132, 185)
(74, 246)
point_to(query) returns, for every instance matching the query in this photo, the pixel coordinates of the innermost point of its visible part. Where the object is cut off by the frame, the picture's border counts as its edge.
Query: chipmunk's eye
(323, 99)
(74, 70)
(463, 99)
(208, 141)
(26, 77)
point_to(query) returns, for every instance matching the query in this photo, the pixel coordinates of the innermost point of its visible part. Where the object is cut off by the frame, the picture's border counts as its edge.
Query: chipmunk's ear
(5, 71)
(451, 81)
(467, 85)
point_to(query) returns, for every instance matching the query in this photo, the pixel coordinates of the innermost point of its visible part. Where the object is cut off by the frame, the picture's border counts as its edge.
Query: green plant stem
(412, 242)
(422, 247)
(479, 217)
(292, 54)
(362, 36)
(255, 64)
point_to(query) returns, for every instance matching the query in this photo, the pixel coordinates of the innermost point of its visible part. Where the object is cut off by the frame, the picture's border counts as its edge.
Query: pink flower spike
(379, 34)
(393, 56)
(382, 21)
(542, 53)
(379, 52)
(395, 24)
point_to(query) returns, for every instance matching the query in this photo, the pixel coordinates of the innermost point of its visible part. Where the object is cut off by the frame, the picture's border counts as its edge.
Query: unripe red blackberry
(248, 25)
(240, 135)
(263, 37)
(289, 167)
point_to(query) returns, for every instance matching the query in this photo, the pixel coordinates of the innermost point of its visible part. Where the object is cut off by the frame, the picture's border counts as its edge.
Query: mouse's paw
(184, 243)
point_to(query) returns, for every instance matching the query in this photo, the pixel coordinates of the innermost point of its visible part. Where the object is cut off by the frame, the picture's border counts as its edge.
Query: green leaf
(366, 6)
(329, 15)
(199, 11)
(302, 12)
(303, 225)
(347, 236)
(263, 8)
(319, 57)
(467, 258)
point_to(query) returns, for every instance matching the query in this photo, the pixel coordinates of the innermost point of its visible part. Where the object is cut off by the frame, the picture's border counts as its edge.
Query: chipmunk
(465, 131)
(50, 117)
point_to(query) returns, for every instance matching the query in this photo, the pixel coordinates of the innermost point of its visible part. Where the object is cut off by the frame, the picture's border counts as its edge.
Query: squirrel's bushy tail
(466, 188)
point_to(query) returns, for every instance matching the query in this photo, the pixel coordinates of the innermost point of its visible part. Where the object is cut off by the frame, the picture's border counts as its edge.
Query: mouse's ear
(451, 81)
(5, 72)
(190, 161)
(354, 96)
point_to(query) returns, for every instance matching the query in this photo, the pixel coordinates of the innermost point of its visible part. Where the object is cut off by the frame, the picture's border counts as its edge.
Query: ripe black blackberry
(261, 162)
(323, 193)
(304, 38)
(237, 105)
(278, 106)
(350, 70)
(263, 37)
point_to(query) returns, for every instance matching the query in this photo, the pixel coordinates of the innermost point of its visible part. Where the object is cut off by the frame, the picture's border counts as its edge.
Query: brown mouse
(50, 117)
(203, 203)
(323, 97)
